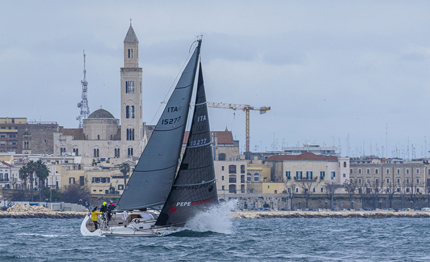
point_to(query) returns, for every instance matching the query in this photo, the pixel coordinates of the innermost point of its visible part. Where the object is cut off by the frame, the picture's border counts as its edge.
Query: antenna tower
(83, 105)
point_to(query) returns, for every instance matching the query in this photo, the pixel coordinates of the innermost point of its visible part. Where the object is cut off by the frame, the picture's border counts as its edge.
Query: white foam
(216, 219)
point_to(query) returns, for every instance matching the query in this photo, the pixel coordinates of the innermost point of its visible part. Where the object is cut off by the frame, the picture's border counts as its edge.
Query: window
(130, 152)
(222, 188)
(398, 170)
(407, 181)
(288, 174)
(76, 151)
(248, 176)
(388, 171)
(130, 134)
(350, 171)
(359, 170)
(376, 171)
(116, 152)
(232, 169)
(98, 137)
(221, 157)
(332, 175)
(130, 53)
(388, 180)
(129, 87)
(344, 175)
(313, 190)
(132, 111)
(127, 112)
(297, 189)
(71, 180)
(368, 171)
(222, 168)
(418, 170)
(96, 152)
(322, 190)
(120, 187)
(407, 171)
(418, 180)
(242, 169)
(298, 174)
(377, 182)
(418, 190)
(398, 180)
(309, 175)
(344, 164)
(322, 174)
(232, 179)
(222, 178)
(256, 177)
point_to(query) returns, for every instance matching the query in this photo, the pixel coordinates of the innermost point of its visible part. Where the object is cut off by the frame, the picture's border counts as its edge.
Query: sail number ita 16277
(170, 121)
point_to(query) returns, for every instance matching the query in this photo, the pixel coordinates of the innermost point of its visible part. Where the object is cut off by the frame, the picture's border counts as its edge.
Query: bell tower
(131, 98)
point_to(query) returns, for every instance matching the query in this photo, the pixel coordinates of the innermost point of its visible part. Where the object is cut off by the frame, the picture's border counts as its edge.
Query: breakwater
(18, 211)
(330, 214)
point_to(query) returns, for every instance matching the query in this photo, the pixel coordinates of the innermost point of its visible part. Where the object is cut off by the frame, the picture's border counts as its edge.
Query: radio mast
(83, 105)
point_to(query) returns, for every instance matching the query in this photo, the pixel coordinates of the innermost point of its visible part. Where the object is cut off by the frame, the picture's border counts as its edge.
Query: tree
(42, 173)
(74, 193)
(391, 190)
(31, 168)
(350, 188)
(124, 168)
(330, 189)
(307, 185)
(23, 175)
(375, 187)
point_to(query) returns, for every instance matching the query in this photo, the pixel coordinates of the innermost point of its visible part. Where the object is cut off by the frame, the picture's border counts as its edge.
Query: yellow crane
(242, 107)
(235, 107)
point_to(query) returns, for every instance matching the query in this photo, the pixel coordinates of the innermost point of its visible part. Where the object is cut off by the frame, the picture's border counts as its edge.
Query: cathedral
(104, 140)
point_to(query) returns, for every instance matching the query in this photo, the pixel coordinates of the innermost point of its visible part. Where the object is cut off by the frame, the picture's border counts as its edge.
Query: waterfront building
(19, 136)
(308, 173)
(389, 176)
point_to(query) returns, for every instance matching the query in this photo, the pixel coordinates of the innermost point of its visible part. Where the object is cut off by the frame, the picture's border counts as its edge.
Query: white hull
(142, 226)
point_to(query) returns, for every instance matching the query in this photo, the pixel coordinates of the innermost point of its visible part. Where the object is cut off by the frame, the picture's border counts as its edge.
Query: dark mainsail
(151, 181)
(194, 188)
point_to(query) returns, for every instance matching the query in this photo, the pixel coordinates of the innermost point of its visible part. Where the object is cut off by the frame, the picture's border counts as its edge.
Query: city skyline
(354, 75)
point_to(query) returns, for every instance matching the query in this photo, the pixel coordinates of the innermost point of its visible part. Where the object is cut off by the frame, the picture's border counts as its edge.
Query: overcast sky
(348, 73)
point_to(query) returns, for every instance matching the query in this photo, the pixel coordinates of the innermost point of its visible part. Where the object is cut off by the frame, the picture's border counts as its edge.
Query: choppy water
(391, 239)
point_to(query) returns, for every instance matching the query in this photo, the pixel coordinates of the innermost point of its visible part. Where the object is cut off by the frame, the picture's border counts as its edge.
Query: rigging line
(197, 168)
(202, 183)
(199, 104)
(160, 169)
(168, 129)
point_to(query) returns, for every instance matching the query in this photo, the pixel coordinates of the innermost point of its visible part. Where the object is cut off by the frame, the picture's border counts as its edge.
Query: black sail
(194, 188)
(152, 179)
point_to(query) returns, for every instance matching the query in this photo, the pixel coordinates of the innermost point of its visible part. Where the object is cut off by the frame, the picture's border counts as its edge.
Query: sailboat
(181, 186)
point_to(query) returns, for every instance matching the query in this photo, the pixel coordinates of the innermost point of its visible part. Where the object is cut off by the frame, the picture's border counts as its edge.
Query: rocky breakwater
(330, 214)
(18, 211)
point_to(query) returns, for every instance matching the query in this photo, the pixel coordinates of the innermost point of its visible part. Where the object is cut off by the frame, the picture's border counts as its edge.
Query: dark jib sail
(194, 188)
(153, 175)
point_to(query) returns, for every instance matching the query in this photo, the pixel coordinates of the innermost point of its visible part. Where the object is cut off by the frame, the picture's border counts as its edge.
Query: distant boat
(157, 181)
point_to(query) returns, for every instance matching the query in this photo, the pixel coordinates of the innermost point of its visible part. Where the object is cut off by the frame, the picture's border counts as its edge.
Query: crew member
(94, 215)
(110, 209)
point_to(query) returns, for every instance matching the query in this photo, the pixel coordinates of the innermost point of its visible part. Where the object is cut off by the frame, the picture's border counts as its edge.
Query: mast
(83, 105)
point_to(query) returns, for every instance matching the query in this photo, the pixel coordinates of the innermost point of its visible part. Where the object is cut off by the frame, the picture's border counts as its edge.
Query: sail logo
(188, 204)
(173, 109)
(201, 118)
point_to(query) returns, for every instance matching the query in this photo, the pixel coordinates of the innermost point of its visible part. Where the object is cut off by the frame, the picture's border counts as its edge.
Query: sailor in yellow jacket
(94, 215)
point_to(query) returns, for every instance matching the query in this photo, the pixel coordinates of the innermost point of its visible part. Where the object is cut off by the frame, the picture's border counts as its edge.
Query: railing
(232, 180)
(4, 180)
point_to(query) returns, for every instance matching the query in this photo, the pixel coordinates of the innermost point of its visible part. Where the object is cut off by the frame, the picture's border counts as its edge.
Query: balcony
(305, 179)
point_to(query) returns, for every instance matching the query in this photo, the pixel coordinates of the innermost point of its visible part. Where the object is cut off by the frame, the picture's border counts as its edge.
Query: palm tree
(42, 173)
(31, 168)
(23, 175)
(124, 168)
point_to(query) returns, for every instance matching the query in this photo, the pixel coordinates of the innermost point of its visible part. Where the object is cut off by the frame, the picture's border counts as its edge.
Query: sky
(352, 74)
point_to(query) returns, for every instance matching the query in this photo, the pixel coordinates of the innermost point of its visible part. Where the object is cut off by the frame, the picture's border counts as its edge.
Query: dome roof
(100, 113)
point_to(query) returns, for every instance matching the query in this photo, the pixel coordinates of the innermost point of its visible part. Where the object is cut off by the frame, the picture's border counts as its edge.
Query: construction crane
(235, 107)
(242, 107)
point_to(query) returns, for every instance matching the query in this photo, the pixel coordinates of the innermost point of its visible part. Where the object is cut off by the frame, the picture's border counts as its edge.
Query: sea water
(212, 236)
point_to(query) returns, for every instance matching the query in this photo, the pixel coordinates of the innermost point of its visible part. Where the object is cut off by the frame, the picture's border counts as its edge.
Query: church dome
(100, 113)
